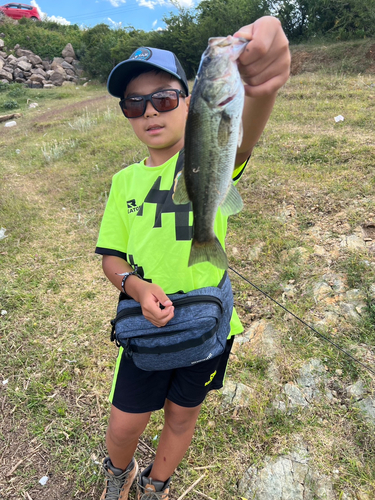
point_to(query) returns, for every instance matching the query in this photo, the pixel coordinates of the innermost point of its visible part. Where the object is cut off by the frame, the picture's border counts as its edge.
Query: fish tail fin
(210, 251)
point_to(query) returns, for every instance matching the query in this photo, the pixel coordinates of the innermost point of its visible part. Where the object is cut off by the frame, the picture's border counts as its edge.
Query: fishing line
(304, 322)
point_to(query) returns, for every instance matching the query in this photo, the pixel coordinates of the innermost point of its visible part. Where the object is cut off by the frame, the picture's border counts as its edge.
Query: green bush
(10, 104)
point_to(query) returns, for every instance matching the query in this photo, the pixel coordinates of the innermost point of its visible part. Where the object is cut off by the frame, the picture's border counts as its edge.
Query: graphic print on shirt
(164, 205)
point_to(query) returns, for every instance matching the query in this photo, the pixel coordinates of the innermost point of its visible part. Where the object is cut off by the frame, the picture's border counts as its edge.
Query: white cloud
(147, 3)
(154, 23)
(116, 3)
(58, 19)
(114, 23)
(44, 16)
(152, 3)
(186, 3)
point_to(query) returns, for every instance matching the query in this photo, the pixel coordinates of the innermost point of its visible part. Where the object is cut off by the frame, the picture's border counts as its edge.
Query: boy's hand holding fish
(264, 67)
(265, 63)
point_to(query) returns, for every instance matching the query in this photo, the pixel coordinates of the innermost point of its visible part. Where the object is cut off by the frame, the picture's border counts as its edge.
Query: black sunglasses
(162, 100)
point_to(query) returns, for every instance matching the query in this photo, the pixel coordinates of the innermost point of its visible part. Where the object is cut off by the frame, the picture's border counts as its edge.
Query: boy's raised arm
(264, 66)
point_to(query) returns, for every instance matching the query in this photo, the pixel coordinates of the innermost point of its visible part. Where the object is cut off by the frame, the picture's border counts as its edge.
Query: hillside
(296, 418)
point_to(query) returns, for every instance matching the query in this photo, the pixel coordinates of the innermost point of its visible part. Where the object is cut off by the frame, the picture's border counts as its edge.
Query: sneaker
(118, 481)
(148, 489)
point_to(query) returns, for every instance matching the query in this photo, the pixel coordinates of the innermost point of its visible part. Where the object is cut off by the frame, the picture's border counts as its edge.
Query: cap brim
(123, 72)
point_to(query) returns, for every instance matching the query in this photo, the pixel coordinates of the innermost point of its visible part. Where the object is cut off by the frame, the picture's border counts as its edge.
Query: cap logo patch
(143, 53)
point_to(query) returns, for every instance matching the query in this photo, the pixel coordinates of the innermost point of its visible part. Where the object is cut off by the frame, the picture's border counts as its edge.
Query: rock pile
(23, 66)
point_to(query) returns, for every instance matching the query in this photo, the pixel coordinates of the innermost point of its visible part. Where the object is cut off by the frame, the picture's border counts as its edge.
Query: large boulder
(34, 60)
(68, 51)
(6, 75)
(23, 52)
(24, 66)
(57, 78)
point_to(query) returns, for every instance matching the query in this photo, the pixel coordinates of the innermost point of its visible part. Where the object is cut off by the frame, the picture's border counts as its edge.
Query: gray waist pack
(197, 332)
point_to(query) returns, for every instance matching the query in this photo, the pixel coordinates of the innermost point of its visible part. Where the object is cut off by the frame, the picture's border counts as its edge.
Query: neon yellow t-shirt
(142, 225)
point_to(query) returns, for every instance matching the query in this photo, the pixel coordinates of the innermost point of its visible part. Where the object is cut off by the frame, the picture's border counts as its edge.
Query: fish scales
(213, 133)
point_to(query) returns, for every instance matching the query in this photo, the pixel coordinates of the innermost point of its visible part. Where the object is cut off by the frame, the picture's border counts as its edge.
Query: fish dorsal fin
(180, 195)
(232, 203)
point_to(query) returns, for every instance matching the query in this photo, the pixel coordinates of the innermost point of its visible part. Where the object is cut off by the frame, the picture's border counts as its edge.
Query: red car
(18, 10)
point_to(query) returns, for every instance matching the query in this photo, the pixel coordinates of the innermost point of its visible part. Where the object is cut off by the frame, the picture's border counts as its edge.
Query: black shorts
(139, 391)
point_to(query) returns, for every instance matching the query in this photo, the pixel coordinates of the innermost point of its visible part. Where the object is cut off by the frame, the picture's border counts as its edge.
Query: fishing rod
(304, 322)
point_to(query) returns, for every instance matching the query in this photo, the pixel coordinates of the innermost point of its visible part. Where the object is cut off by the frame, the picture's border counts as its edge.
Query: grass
(310, 182)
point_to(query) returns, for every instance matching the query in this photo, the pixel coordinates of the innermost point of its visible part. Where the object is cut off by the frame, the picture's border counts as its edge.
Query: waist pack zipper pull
(113, 333)
(127, 351)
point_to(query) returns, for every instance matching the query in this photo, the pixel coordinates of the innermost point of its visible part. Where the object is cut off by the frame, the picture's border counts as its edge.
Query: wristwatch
(126, 276)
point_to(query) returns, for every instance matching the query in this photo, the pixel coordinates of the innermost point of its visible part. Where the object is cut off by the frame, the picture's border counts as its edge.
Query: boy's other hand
(265, 63)
(151, 300)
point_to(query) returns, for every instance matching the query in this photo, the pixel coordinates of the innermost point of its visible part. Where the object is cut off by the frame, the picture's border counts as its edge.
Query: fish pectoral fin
(232, 203)
(180, 195)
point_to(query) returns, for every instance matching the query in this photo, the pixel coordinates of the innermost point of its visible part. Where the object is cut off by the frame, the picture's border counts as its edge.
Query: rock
(46, 65)
(321, 291)
(34, 60)
(57, 78)
(5, 75)
(1, 43)
(56, 62)
(1, 64)
(11, 59)
(254, 253)
(23, 52)
(335, 281)
(69, 59)
(356, 390)
(24, 66)
(39, 71)
(37, 78)
(367, 408)
(320, 251)
(349, 311)
(287, 477)
(66, 65)
(68, 51)
(354, 243)
(261, 336)
(300, 254)
(236, 393)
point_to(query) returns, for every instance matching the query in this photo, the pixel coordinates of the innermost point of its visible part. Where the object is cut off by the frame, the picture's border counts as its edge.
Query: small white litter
(10, 124)
(2, 233)
(33, 105)
(5, 381)
(4, 312)
(18, 151)
(339, 118)
(43, 480)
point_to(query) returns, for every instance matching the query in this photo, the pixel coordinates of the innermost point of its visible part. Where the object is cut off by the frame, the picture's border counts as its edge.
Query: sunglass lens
(133, 107)
(165, 101)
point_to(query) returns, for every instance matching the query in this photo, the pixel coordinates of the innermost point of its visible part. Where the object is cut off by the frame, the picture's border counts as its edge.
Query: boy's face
(155, 129)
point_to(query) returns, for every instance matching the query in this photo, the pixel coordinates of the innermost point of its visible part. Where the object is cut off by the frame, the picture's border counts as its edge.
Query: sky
(140, 14)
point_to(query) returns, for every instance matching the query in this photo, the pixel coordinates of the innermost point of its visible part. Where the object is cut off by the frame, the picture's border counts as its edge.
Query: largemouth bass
(213, 133)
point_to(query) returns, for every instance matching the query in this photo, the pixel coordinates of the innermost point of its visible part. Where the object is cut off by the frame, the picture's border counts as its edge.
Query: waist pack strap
(222, 281)
(187, 344)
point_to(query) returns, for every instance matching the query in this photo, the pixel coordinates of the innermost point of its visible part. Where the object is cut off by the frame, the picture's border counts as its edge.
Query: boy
(140, 229)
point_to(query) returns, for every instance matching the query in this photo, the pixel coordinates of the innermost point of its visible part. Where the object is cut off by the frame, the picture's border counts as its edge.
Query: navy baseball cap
(147, 57)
